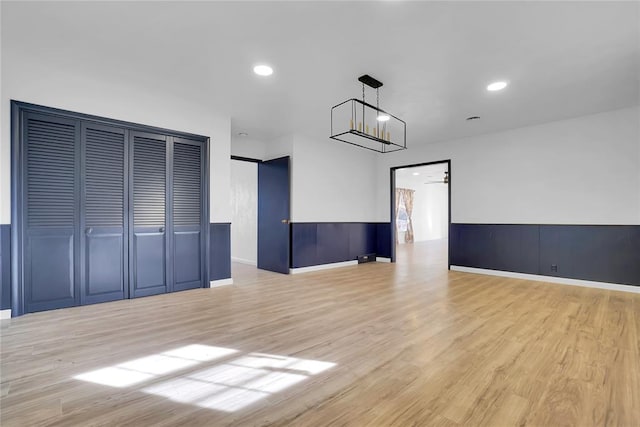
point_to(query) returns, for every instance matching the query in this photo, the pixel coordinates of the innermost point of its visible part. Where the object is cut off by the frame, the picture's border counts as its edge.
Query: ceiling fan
(445, 180)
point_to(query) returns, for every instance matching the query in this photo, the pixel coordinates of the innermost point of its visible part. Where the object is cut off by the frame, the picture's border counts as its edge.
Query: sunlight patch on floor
(146, 368)
(227, 385)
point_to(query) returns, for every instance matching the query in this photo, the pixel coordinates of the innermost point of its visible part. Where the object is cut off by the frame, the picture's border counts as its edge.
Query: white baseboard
(244, 261)
(382, 259)
(322, 267)
(221, 282)
(550, 279)
(5, 314)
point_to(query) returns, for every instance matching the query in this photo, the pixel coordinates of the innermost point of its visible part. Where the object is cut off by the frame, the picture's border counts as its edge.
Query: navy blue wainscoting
(383, 239)
(603, 253)
(592, 252)
(5, 266)
(317, 243)
(219, 251)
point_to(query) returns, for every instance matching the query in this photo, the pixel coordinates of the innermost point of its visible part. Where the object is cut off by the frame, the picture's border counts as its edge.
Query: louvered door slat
(187, 206)
(105, 243)
(51, 210)
(50, 174)
(149, 213)
(104, 178)
(149, 182)
(186, 184)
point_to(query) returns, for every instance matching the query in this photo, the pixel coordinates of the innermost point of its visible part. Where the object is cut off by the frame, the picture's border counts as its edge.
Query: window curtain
(404, 197)
(398, 197)
(407, 196)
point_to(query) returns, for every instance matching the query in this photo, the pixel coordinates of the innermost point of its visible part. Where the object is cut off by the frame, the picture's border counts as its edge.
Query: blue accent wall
(219, 251)
(383, 239)
(5, 266)
(317, 243)
(603, 253)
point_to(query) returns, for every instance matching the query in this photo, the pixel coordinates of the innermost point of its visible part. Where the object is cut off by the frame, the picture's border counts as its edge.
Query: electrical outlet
(554, 268)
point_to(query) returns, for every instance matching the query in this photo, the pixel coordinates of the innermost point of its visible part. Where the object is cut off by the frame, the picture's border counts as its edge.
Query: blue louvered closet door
(50, 211)
(188, 237)
(148, 196)
(106, 211)
(103, 228)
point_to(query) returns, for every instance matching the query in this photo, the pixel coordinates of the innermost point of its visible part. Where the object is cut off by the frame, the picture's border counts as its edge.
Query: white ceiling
(407, 178)
(562, 59)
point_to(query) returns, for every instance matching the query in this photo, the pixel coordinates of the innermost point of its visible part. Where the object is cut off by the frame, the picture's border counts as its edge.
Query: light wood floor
(370, 345)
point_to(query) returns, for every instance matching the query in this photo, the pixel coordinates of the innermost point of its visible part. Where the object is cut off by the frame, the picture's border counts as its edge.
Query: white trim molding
(322, 267)
(5, 314)
(220, 282)
(550, 279)
(382, 259)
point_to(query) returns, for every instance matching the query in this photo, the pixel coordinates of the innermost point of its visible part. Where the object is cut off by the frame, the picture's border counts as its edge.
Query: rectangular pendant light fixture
(359, 123)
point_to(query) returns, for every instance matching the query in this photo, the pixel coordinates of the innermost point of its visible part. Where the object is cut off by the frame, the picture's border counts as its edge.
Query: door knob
(161, 229)
(88, 230)
(285, 221)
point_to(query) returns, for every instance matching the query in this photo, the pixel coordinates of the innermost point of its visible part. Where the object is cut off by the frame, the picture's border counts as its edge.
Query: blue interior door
(103, 230)
(187, 227)
(148, 260)
(50, 212)
(273, 215)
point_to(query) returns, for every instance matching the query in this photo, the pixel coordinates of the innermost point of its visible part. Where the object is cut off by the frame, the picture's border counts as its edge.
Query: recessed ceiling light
(496, 86)
(416, 173)
(383, 117)
(243, 134)
(263, 70)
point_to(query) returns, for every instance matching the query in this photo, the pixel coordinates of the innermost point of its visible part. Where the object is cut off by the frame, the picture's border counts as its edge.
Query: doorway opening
(260, 203)
(244, 217)
(421, 213)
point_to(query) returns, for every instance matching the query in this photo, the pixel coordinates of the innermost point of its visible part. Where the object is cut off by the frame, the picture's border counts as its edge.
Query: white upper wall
(26, 77)
(248, 147)
(260, 149)
(430, 212)
(332, 182)
(584, 170)
(244, 209)
(279, 147)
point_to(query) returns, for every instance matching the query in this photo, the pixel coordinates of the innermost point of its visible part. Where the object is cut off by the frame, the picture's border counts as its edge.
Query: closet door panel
(50, 273)
(50, 211)
(187, 259)
(149, 176)
(104, 247)
(104, 268)
(187, 214)
(150, 267)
